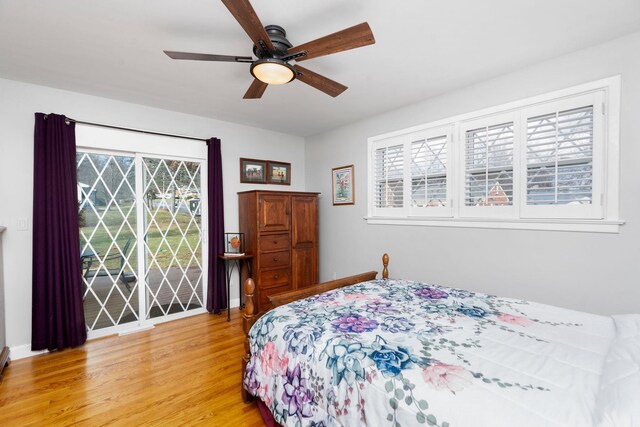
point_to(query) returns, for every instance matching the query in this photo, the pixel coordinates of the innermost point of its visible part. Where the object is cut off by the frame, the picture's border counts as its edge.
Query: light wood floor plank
(181, 373)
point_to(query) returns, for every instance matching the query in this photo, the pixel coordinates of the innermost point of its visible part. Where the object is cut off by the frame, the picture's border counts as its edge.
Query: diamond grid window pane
(560, 157)
(429, 172)
(388, 177)
(173, 246)
(106, 198)
(489, 166)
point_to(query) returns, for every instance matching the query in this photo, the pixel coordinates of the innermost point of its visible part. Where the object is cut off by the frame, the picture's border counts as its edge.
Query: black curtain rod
(80, 122)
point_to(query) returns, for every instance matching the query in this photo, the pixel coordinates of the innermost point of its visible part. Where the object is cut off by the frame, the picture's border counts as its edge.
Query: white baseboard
(21, 351)
(136, 329)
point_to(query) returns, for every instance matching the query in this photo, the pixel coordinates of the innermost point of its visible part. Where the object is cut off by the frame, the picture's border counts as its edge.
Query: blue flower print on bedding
(301, 337)
(346, 360)
(391, 361)
(397, 324)
(473, 311)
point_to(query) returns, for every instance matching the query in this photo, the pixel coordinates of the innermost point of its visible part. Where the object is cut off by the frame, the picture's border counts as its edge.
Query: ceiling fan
(274, 52)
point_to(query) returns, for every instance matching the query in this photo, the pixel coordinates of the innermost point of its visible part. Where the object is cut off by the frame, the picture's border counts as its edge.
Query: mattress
(403, 353)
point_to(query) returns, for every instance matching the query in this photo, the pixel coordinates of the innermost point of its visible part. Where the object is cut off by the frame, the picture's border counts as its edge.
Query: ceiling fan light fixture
(273, 71)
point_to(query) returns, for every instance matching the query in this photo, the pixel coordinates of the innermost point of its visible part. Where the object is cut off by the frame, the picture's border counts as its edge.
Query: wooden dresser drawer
(264, 295)
(271, 278)
(275, 259)
(274, 242)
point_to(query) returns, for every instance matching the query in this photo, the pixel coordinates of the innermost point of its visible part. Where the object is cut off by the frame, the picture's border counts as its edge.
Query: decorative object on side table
(234, 244)
(253, 171)
(279, 173)
(342, 180)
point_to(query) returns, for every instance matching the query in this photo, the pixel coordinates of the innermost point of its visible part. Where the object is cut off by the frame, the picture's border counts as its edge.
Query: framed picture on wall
(253, 171)
(342, 181)
(279, 173)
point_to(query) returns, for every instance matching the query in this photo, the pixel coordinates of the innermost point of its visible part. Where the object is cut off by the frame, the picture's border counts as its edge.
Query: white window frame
(602, 216)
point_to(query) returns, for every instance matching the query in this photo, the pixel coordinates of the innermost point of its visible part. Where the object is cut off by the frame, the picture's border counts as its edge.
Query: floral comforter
(401, 353)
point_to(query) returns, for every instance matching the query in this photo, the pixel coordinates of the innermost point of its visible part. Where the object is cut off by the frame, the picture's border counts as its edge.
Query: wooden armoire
(281, 231)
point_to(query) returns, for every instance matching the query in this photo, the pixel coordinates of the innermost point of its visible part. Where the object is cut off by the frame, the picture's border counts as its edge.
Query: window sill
(578, 225)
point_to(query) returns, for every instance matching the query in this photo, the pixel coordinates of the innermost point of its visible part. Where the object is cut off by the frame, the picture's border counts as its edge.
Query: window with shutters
(488, 164)
(564, 147)
(410, 174)
(548, 162)
(430, 181)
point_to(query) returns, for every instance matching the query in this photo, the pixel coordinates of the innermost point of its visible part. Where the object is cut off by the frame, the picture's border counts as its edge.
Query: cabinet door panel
(304, 221)
(304, 267)
(273, 212)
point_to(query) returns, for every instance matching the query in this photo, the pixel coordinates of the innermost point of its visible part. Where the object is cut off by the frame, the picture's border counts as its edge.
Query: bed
(383, 352)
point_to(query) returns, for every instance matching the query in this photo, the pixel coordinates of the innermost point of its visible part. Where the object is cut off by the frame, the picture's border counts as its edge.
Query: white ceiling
(423, 48)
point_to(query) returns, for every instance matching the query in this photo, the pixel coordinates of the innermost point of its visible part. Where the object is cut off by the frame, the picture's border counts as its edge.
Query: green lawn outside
(163, 226)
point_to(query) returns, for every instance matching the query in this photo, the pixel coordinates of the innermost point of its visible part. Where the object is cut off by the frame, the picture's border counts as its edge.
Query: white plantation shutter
(562, 141)
(559, 157)
(429, 172)
(388, 176)
(488, 165)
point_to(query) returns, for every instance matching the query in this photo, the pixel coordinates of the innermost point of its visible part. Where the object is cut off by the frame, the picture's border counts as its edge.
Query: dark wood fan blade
(206, 57)
(350, 38)
(319, 82)
(256, 90)
(249, 21)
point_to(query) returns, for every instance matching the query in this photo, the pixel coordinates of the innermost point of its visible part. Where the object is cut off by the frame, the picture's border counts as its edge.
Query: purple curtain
(57, 308)
(216, 288)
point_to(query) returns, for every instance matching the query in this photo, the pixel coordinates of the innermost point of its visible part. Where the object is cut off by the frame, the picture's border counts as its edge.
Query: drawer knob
(275, 276)
(275, 242)
(275, 259)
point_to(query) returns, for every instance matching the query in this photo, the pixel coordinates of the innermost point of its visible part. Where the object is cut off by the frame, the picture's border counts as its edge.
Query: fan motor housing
(278, 37)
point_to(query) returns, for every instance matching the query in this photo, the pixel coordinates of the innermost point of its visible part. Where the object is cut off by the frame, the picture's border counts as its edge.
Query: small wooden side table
(231, 262)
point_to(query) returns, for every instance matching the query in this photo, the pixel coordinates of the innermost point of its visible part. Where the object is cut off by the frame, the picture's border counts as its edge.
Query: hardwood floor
(185, 372)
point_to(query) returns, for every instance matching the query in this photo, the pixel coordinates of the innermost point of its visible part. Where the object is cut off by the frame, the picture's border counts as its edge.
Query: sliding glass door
(140, 236)
(173, 236)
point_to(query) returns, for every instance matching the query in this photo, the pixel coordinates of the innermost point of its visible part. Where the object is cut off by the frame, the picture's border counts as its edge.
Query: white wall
(19, 102)
(598, 273)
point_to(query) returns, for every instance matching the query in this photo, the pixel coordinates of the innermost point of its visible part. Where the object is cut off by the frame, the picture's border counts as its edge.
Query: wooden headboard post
(385, 264)
(248, 319)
